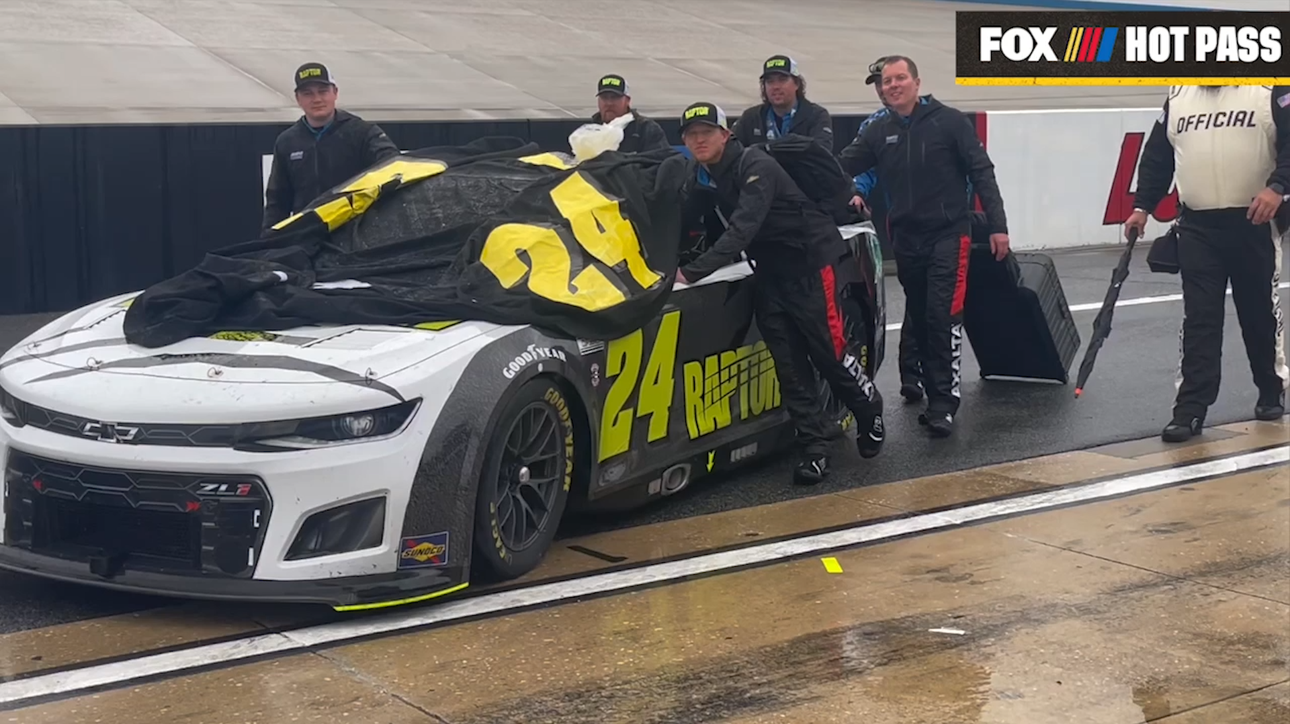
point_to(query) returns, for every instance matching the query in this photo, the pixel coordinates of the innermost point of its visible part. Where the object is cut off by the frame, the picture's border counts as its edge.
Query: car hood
(83, 357)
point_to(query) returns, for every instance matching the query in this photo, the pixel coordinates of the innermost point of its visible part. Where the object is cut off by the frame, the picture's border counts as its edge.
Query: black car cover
(495, 230)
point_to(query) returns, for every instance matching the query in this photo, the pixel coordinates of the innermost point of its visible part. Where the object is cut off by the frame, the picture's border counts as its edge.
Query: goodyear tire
(528, 471)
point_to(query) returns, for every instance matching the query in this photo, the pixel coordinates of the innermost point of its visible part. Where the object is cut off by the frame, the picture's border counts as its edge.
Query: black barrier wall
(87, 212)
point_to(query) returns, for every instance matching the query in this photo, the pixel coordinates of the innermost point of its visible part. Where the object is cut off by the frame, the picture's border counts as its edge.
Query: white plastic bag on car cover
(592, 139)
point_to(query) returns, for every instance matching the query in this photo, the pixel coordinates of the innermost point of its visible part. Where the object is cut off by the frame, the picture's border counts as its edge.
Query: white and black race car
(364, 466)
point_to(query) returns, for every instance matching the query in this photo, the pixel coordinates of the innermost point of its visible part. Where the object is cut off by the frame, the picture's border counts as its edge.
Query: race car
(366, 465)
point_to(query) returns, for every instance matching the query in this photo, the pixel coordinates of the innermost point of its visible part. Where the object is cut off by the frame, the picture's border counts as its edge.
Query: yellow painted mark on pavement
(831, 565)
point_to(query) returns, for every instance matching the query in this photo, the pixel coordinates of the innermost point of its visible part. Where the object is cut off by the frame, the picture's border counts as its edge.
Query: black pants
(1215, 247)
(933, 272)
(808, 321)
(911, 365)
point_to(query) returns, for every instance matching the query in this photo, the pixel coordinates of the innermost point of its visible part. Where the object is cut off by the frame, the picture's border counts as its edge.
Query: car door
(695, 378)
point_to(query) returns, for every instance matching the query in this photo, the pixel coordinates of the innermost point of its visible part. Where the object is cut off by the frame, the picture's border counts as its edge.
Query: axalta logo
(1119, 202)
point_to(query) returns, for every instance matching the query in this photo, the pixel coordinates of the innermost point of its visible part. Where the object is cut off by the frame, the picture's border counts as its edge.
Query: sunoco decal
(424, 551)
(533, 354)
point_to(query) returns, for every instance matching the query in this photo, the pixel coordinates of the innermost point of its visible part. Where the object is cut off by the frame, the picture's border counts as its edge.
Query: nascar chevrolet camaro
(365, 466)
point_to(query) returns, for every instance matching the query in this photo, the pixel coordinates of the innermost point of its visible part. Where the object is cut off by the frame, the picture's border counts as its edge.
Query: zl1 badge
(424, 551)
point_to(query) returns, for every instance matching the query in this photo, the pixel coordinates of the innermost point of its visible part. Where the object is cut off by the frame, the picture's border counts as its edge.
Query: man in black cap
(784, 108)
(802, 312)
(927, 154)
(910, 361)
(614, 100)
(326, 147)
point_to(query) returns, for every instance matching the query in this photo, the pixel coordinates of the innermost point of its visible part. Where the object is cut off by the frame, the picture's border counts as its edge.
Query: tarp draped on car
(495, 230)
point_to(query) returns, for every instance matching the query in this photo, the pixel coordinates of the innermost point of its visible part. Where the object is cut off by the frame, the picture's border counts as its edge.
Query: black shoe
(1270, 407)
(912, 392)
(1182, 428)
(869, 442)
(811, 470)
(940, 424)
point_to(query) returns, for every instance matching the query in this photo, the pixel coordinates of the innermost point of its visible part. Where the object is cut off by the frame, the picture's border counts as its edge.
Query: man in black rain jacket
(801, 311)
(784, 108)
(326, 147)
(926, 153)
(613, 100)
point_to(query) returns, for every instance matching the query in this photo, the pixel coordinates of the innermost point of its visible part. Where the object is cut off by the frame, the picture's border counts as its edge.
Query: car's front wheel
(525, 486)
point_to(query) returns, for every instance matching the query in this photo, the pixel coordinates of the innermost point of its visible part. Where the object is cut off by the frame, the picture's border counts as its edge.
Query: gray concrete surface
(1128, 397)
(190, 61)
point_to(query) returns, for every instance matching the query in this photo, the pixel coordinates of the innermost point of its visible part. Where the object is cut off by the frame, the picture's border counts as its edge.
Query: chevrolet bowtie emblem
(109, 432)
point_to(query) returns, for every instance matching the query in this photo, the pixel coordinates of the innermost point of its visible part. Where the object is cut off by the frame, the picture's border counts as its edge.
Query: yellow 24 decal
(598, 226)
(623, 364)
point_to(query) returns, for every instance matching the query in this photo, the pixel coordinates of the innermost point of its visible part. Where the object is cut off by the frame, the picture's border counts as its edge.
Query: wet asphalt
(1128, 397)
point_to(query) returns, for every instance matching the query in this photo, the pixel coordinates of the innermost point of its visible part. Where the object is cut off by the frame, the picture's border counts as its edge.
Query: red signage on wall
(1119, 204)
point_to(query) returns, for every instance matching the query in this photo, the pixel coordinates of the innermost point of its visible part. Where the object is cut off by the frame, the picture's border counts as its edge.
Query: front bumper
(212, 523)
(343, 594)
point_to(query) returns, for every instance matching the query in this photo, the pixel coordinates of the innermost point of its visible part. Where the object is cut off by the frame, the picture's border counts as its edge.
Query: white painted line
(70, 682)
(1137, 301)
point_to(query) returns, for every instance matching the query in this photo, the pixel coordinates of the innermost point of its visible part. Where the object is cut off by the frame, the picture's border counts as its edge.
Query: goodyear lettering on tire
(556, 400)
(496, 526)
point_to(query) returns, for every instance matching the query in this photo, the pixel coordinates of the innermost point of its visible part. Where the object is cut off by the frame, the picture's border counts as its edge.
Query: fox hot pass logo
(1122, 48)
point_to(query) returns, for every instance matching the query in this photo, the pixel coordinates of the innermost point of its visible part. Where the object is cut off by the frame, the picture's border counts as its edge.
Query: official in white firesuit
(1229, 149)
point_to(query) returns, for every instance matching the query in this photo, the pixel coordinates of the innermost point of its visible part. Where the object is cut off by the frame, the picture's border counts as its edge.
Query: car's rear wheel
(525, 486)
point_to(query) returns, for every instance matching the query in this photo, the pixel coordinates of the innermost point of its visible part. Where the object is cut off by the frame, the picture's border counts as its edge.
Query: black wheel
(525, 486)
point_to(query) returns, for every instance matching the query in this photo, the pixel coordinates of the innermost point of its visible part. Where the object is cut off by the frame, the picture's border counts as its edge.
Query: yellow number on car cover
(588, 210)
(367, 188)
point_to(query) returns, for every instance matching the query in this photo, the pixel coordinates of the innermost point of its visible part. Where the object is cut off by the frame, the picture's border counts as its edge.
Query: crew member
(326, 147)
(784, 108)
(614, 101)
(923, 149)
(1229, 149)
(800, 309)
(910, 365)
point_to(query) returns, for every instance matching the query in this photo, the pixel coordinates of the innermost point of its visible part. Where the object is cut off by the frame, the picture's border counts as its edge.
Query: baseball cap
(875, 71)
(780, 64)
(612, 84)
(313, 73)
(704, 112)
